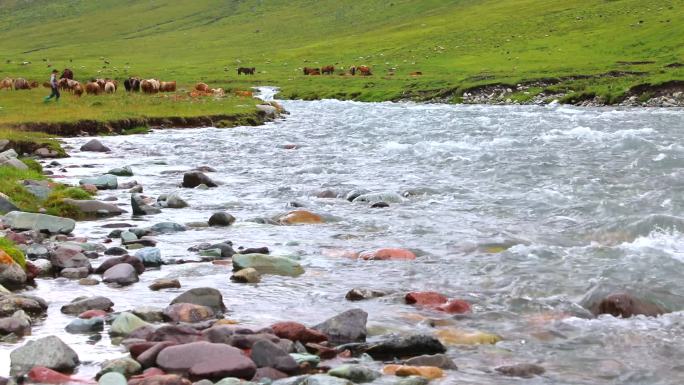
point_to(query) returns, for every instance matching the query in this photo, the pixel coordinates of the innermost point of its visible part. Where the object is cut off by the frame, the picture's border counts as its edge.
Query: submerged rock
(95, 145)
(409, 346)
(195, 178)
(460, 337)
(299, 217)
(358, 294)
(43, 223)
(346, 327)
(388, 254)
(165, 283)
(268, 264)
(356, 373)
(204, 296)
(429, 372)
(80, 305)
(140, 207)
(221, 219)
(625, 305)
(150, 256)
(102, 182)
(521, 370)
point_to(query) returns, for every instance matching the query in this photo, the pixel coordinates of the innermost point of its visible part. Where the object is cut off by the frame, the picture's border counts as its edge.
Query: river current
(525, 211)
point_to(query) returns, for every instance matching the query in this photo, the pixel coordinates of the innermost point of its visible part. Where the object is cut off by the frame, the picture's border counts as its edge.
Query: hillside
(455, 44)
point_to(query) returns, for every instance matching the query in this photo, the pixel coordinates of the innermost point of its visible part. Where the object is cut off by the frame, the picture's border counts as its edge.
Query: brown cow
(328, 70)
(34, 84)
(77, 89)
(101, 83)
(311, 71)
(364, 70)
(202, 87)
(67, 74)
(7, 83)
(93, 88)
(167, 86)
(109, 88)
(21, 84)
(149, 86)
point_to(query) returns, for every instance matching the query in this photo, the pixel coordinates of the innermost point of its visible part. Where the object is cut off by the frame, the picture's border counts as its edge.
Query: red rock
(148, 358)
(425, 298)
(32, 272)
(324, 352)
(388, 254)
(43, 375)
(93, 313)
(139, 348)
(17, 238)
(206, 360)
(149, 373)
(294, 331)
(455, 306)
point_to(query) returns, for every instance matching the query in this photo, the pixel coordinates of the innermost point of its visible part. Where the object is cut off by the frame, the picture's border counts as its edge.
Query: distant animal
(352, 70)
(34, 84)
(149, 86)
(100, 82)
(245, 94)
(7, 83)
(46, 85)
(416, 73)
(21, 84)
(364, 70)
(67, 74)
(132, 85)
(66, 84)
(167, 87)
(311, 71)
(77, 89)
(202, 87)
(246, 70)
(328, 70)
(93, 88)
(218, 92)
(109, 88)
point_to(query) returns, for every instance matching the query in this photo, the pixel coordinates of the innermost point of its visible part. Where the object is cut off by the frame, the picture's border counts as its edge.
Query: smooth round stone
(112, 378)
(89, 325)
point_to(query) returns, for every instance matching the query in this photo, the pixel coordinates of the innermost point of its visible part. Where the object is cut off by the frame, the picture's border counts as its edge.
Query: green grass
(25, 141)
(11, 249)
(455, 44)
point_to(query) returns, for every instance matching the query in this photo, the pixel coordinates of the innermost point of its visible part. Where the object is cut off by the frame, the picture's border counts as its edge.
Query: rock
(148, 358)
(18, 324)
(33, 306)
(125, 366)
(69, 256)
(323, 379)
(188, 313)
(268, 264)
(14, 163)
(363, 294)
(128, 237)
(204, 296)
(299, 217)
(413, 380)
(176, 333)
(268, 110)
(6, 204)
(121, 171)
(95, 145)
(12, 275)
(74, 272)
(165, 283)
(195, 178)
(268, 375)
(248, 275)
(174, 201)
(429, 372)
(102, 182)
(78, 325)
(140, 207)
(165, 379)
(79, 305)
(379, 205)
(49, 352)
(309, 359)
(346, 327)
(126, 323)
(167, 228)
(18, 220)
(379, 197)
(254, 250)
(118, 251)
(88, 282)
(409, 346)
(122, 274)
(221, 219)
(436, 301)
(267, 354)
(459, 337)
(150, 256)
(294, 331)
(112, 378)
(625, 305)
(355, 373)
(94, 208)
(521, 370)
(441, 361)
(388, 254)
(206, 360)
(93, 314)
(149, 313)
(111, 262)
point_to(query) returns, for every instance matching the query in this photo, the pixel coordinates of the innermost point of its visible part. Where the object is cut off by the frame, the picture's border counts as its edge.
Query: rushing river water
(522, 211)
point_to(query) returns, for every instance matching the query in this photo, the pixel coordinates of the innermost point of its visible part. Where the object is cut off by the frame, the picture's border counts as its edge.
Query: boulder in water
(299, 217)
(221, 219)
(188, 313)
(95, 208)
(42, 223)
(50, 352)
(268, 264)
(625, 305)
(95, 145)
(521, 370)
(121, 171)
(195, 178)
(79, 305)
(140, 207)
(122, 274)
(388, 254)
(204, 296)
(346, 327)
(103, 182)
(405, 346)
(165, 283)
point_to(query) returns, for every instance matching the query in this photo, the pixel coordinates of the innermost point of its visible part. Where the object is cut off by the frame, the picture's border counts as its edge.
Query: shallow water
(520, 210)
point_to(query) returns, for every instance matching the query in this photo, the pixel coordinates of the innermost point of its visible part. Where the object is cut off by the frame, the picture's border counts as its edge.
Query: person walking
(54, 86)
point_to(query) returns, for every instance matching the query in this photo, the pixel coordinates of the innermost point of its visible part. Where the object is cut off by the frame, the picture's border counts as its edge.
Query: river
(521, 210)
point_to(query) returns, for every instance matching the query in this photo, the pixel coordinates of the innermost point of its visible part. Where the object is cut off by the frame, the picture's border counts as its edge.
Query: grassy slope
(456, 44)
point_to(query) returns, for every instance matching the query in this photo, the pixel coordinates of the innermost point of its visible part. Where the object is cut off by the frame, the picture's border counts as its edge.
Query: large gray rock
(195, 178)
(6, 204)
(140, 207)
(69, 256)
(18, 324)
(267, 354)
(79, 305)
(205, 296)
(49, 352)
(206, 360)
(122, 274)
(38, 188)
(14, 163)
(174, 201)
(166, 228)
(102, 182)
(90, 325)
(12, 276)
(33, 306)
(18, 220)
(150, 256)
(346, 327)
(95, 145)
(94, 208)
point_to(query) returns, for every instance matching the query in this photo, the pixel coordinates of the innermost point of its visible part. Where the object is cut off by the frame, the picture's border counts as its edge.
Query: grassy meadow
(455, 44)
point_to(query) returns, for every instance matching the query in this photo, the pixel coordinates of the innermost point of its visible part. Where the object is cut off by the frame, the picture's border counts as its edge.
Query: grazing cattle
(93, 88)
(328, 70)
(311, 71)
(352, 70)
(67, 74)
(167, 87)
(21, 84)
(77, 89)
(132, 84)
(101, 83)
(416, 73)
(218, 92)
(34, 84)
(246, 70)
(202, 87)
(7, 83)
(46, 85)
(244, 94)
(364, 70)
(149, 86)
(109, 88)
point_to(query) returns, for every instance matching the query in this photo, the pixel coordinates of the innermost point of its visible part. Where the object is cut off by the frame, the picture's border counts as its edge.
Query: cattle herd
(148, 86)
